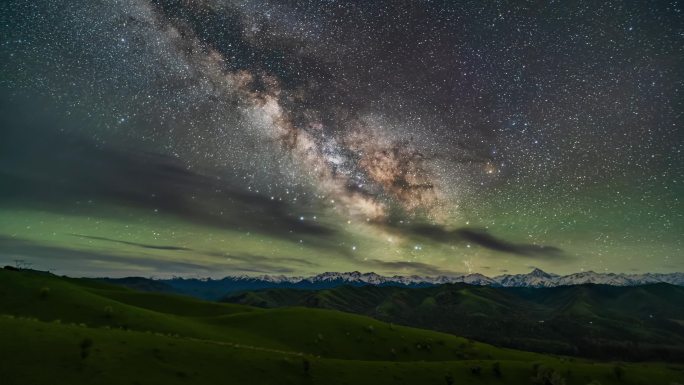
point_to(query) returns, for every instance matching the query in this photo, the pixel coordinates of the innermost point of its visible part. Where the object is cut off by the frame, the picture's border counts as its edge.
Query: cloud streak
(98, 261)
(142, 245)
(84, 171)
(482, 238)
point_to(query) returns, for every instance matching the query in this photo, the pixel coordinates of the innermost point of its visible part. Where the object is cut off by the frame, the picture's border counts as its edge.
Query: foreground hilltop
(74, 331)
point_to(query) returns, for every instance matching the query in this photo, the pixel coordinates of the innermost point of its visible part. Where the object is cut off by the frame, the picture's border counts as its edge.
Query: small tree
(475, 370)
(449, 378)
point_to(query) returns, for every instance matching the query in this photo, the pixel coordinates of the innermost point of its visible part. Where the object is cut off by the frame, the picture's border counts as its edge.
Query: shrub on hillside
(547, 376)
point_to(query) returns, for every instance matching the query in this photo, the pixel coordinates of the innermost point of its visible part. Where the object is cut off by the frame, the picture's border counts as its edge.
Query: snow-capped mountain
(471, 279)
(354, 276)
(620, 279)
(597, 278)
(268, 278)
(536, 278)
(213, 289)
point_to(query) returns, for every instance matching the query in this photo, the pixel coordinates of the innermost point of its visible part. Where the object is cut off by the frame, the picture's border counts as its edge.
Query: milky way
(350, 159)
(309, 136)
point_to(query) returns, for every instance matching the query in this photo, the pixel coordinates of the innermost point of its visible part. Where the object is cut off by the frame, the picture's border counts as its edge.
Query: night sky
(216, 137)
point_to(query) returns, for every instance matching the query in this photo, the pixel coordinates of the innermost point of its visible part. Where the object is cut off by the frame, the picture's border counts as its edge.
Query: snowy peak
(535, 278)
(353, 276)
(474, 279)
(539, 273)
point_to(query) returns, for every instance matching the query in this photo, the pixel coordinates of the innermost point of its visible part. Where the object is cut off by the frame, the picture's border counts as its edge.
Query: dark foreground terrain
(56, 330)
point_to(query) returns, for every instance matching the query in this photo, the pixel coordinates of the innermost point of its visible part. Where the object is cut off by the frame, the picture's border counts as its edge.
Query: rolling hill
(598, 321)
(73, 331)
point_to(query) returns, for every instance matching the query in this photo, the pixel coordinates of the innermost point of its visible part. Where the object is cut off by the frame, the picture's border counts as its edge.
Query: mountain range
(535, 278)
(213, 289)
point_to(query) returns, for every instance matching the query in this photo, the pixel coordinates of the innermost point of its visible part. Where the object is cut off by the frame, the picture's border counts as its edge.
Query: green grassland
(70, 331)
(639, 323)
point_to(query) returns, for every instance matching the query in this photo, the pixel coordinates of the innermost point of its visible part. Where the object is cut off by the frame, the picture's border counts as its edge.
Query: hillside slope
(607, 322)
(66, 331)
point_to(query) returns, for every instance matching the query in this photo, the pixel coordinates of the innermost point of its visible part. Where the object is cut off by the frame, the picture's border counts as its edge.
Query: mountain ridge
(536, 278)
(214, 289)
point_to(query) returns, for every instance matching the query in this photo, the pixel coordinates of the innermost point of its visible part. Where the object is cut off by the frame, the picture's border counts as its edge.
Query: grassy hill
(606, 322)
(68, 331)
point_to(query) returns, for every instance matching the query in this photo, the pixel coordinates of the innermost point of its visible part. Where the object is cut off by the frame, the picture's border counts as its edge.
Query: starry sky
(215, 137)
